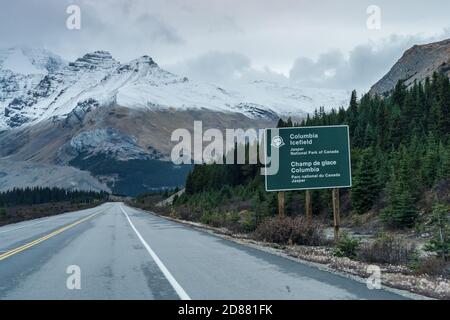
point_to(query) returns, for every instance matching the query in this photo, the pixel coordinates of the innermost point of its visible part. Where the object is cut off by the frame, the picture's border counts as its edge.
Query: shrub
(247, 221)
(212, 219)
(287, 230)
(346, 246)
(232, 221)
(387, 249)
(3, 213)
(188, 213)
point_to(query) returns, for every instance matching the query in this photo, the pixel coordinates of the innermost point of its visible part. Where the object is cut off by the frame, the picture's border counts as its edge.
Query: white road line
(176, 286)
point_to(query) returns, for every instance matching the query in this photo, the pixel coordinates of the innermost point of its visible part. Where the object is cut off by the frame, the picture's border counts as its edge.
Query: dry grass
(387, 250)
(433, 266)
(288, 230)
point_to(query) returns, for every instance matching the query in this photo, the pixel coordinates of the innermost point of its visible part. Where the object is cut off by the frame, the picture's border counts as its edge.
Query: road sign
(308, 158)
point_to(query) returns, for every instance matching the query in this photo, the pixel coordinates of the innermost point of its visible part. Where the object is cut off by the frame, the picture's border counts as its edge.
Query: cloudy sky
(320, 43)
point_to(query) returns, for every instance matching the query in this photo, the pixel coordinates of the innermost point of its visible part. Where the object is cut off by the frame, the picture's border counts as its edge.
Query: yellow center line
(46, 237)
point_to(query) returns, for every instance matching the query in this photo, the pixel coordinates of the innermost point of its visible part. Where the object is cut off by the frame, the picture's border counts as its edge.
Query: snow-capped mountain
(36, 85)
(22, 69)
(115, 120)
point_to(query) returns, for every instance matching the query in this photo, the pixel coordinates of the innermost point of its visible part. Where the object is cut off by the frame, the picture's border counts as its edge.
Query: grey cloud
(223, 68)
(213, 66)
(365, 64)
(231, 40)
(157, 30)
(121, 27)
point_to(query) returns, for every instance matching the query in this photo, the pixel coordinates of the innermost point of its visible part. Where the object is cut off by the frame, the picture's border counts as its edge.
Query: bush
(387, 249)
(346, 246)
(188, 213)
(287, 230)
(247, 221)
(3, 213)
(212, 219)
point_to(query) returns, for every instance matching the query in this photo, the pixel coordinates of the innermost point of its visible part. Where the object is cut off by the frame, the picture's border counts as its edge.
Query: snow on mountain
(21, 70)
(27, 61)
(287, 99)
(36, 85)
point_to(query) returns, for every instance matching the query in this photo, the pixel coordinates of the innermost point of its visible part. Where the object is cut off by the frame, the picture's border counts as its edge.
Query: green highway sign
(308, 158)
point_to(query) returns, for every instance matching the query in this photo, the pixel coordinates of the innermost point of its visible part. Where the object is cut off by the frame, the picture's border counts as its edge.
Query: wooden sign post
(308, 205)
(281, 195)
(336, 214)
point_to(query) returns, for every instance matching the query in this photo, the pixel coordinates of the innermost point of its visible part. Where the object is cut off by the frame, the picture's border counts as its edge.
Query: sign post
(336, 214)
(308, 205)
(308, 158)
(281, 203)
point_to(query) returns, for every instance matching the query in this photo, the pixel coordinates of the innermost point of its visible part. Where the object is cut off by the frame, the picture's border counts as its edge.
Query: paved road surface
(124, 253)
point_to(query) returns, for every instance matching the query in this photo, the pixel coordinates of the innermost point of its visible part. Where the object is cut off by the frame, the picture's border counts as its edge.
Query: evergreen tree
(352, 115)
(430, 161)
(401, 211)
(399, 94)
(365, 190)
(444, 106)
(440, 244)
(444, 162)
(281, 123)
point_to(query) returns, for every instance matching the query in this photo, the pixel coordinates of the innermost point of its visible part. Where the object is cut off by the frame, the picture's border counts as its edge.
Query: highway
(116, 252)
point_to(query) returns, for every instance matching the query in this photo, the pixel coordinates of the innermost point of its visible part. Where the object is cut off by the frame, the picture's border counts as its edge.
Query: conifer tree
(353, 113)
(443, 171)
(366, 186)
(440, 244)
(430, 161)
(401, 211)
(444, 106)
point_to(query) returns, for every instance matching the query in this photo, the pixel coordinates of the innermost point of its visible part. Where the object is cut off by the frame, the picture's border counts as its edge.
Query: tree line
(39, 195)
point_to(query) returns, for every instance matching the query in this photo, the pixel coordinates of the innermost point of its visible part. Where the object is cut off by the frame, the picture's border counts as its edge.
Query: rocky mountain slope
(417, 63)
(23, 174)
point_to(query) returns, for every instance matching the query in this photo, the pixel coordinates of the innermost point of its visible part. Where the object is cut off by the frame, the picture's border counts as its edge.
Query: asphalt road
(117, 252)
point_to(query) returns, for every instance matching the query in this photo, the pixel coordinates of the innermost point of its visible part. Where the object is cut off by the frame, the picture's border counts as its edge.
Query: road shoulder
(394, 280)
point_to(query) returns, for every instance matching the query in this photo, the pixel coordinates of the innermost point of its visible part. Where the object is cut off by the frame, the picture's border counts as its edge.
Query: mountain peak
(93, 60)
(146, 60)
